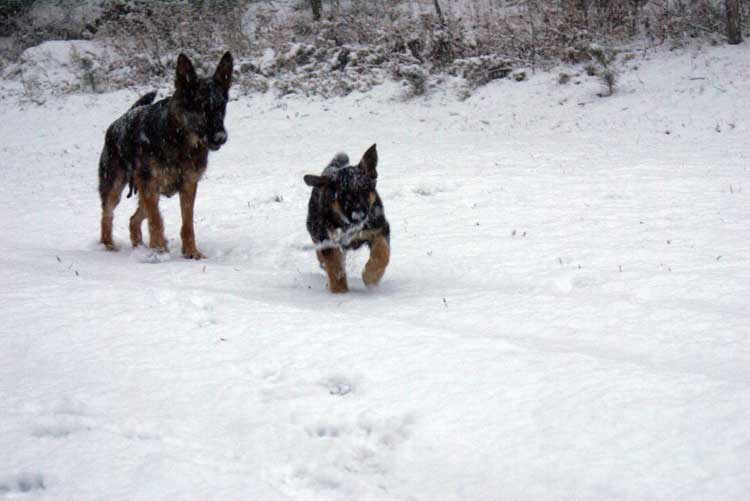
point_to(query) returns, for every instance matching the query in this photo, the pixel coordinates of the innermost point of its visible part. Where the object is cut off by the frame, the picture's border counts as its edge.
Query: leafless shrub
(414, 75)
(150, 34)
(480, 70)
(86, 67)
(356, 43)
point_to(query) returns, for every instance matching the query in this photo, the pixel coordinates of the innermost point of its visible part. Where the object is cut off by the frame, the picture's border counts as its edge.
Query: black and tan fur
(346, 212)
(161, 149)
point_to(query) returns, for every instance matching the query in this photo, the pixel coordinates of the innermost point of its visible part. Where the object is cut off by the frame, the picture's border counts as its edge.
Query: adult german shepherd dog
(345, 212)
(162, 149)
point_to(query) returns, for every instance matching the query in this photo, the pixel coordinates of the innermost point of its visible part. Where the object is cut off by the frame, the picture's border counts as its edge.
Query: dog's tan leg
(333, 262)
(149, 200)
(110, 199)
(320, 259)
(187, 203)
(136, 238)
(380, 253)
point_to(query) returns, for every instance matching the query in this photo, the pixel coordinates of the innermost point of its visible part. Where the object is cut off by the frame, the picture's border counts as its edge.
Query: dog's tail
(145, 100)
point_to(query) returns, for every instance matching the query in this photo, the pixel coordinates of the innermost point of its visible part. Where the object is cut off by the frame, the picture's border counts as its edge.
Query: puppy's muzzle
(218, 140)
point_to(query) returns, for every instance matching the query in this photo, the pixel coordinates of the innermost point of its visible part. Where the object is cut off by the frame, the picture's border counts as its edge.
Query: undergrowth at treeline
(355, 44)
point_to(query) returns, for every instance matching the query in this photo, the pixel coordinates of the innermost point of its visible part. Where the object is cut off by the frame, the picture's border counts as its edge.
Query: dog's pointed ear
(369, 162)
(223, 74)
(316, 181)
(185, 76)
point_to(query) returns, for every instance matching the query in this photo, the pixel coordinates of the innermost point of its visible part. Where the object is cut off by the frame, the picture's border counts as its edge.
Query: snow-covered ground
(566, 314)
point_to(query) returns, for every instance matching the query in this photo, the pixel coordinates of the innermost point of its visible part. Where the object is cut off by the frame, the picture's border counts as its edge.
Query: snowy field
(566, 314)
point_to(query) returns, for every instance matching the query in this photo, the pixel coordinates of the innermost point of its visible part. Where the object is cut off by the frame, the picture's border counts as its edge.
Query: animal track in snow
(59, 419)
(22, 483)
(324, 431)
(202, 311)
(277, 386)
(427, 190)
(366, 446)
(338, 385)
(58, 427)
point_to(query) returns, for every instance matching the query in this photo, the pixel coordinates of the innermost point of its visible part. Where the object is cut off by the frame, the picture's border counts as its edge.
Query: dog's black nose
(220, 138)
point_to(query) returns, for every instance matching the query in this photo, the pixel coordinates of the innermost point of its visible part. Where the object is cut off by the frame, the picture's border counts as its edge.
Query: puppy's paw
(372, 276)
(338, 289)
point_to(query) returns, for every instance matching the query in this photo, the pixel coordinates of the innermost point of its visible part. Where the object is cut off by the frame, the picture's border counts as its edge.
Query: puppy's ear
(223, 73)
(316, 181)
(185, 77)
(369, 162)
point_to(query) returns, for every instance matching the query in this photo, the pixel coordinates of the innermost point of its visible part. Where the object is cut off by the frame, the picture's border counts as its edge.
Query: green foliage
(605, 58)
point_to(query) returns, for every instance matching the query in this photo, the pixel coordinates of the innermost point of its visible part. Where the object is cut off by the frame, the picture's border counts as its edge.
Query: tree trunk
(532, 12)
(583, 11)
(577, 12)
(734, 23)
(316, 9)
(439, 13)
(634, 8)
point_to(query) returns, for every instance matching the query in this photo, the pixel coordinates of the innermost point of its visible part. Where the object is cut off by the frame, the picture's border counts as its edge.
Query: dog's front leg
(187, 202)
(380, 254)
(333, 262)
(149, 199)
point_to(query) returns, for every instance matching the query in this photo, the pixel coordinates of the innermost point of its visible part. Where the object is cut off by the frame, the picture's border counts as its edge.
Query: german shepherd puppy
(162, 149)
(345, 212)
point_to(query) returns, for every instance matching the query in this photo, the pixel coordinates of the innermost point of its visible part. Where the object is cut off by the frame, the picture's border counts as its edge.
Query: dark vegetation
(332, 47)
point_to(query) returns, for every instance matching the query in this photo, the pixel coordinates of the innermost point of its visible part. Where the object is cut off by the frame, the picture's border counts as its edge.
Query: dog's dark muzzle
(217, 140)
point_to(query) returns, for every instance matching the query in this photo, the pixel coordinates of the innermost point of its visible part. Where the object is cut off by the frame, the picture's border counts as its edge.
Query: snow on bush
(414, 75)
(64, 66)
(355, 45)
(480, 70)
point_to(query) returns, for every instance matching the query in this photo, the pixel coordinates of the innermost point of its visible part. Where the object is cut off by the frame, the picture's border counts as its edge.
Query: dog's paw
(193, 254)
(338, 288)
(158, 243)
(372, 277)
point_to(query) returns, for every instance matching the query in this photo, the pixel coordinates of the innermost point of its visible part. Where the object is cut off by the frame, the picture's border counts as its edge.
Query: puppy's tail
(340, 160)
(145, 100)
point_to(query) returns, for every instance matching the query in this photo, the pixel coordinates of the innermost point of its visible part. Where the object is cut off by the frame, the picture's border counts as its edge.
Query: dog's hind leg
(149, 201)
(136, 237)
(187, 233)
(110, 192)
(380, 254)
(333, 262)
